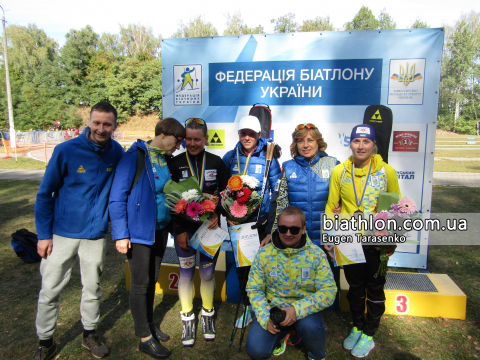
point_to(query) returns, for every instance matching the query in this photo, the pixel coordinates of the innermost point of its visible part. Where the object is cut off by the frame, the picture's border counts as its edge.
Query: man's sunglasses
(294, 230)
(308, 126)
(196, 120)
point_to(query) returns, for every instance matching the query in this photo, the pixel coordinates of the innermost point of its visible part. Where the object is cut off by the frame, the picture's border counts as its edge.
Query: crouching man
(293, 275)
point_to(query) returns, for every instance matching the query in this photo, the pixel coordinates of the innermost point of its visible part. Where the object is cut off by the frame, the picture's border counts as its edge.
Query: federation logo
(406, 82)
(187, 80)
(407, 75)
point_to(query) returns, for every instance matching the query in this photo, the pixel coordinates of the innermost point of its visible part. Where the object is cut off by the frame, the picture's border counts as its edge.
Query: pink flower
(238, 209)
(381, 215)
(194, 210)
(208, 206)
(181, 205)
(407, 205)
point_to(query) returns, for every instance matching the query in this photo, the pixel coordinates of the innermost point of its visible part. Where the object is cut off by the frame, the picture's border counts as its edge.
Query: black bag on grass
(24, 244)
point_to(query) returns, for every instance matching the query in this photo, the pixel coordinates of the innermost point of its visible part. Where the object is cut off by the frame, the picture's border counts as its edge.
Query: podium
(427, 295)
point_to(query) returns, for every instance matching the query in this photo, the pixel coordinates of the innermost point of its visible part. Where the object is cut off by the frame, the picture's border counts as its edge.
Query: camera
(277, 316)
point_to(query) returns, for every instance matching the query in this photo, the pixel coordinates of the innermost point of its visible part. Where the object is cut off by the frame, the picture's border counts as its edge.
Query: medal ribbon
(245, 172)
(364, 186)
(193, 172)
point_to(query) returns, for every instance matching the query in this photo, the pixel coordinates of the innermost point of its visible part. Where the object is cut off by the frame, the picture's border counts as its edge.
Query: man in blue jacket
(71, 217)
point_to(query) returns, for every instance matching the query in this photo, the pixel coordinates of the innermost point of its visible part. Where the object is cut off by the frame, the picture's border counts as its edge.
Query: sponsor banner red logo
(406, 141)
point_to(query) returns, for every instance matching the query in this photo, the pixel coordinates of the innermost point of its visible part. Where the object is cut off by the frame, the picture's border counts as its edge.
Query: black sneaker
(208, 324)
(44, 353)
(154, 349)
(95, 345)
(188, 332)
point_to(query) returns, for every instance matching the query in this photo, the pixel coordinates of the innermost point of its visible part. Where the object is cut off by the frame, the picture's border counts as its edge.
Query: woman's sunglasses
(294, 230)
(196, 120)
(308, 126)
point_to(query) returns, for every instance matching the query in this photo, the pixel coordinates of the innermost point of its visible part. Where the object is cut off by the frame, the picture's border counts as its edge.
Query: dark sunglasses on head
(197, 120)
(308, 126)
(294, 230)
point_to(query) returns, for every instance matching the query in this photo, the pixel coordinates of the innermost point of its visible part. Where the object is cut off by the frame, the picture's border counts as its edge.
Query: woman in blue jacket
(139, 220)
(248, 158)
(304, 183)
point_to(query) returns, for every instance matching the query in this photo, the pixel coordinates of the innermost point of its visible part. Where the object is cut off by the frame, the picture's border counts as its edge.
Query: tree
(197, 27)
(458, 66)
(28, 49)
(139, 41)
(236, 26)
(76, 54)
(317, 24)
(386, 21)
(419, 25)
(285, 24)
(363, 20)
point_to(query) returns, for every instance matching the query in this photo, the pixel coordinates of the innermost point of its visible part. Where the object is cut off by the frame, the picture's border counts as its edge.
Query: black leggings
(144, 262)
(364, 281)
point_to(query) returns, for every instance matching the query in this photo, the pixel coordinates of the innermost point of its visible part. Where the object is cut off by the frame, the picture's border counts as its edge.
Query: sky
(57, 17)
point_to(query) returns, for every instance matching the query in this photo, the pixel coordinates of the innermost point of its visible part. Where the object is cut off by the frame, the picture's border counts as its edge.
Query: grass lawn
(457, 153)
(399, 337)
(21, 163)
(457, 166)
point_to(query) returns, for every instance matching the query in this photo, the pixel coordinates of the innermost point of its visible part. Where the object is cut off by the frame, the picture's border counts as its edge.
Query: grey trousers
(56, 271)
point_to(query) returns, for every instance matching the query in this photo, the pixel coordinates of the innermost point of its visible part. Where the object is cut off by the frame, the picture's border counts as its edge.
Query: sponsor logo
(211, 174)
(109, 169)
(184, 173)
(406, 175)
(273, 273)
(293, 176)
(405, 85)
(81, 169)
(211, 183)
(216, 139)
(377, 118)
(406, 141)
(344, 139)
(186, 263)
(187, 81)
(235, 168)
(363, 130)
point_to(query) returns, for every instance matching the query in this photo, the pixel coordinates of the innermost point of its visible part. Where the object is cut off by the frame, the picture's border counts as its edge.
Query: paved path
(21, 174)
(457, 158)
(456, 179)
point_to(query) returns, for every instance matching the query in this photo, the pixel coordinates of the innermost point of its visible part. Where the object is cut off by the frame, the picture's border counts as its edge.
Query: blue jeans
(260, 343)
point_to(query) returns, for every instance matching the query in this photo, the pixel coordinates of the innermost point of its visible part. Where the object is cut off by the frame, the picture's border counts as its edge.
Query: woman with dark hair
(212, 176)
(140, 219)
(358, 182)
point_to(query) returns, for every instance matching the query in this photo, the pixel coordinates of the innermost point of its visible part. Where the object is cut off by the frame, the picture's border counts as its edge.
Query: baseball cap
(363, 131)
(249, 122)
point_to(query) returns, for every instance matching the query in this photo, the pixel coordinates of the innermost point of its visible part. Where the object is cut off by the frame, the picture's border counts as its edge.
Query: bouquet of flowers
(405, 208)
(240, 198)
(187, 200)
